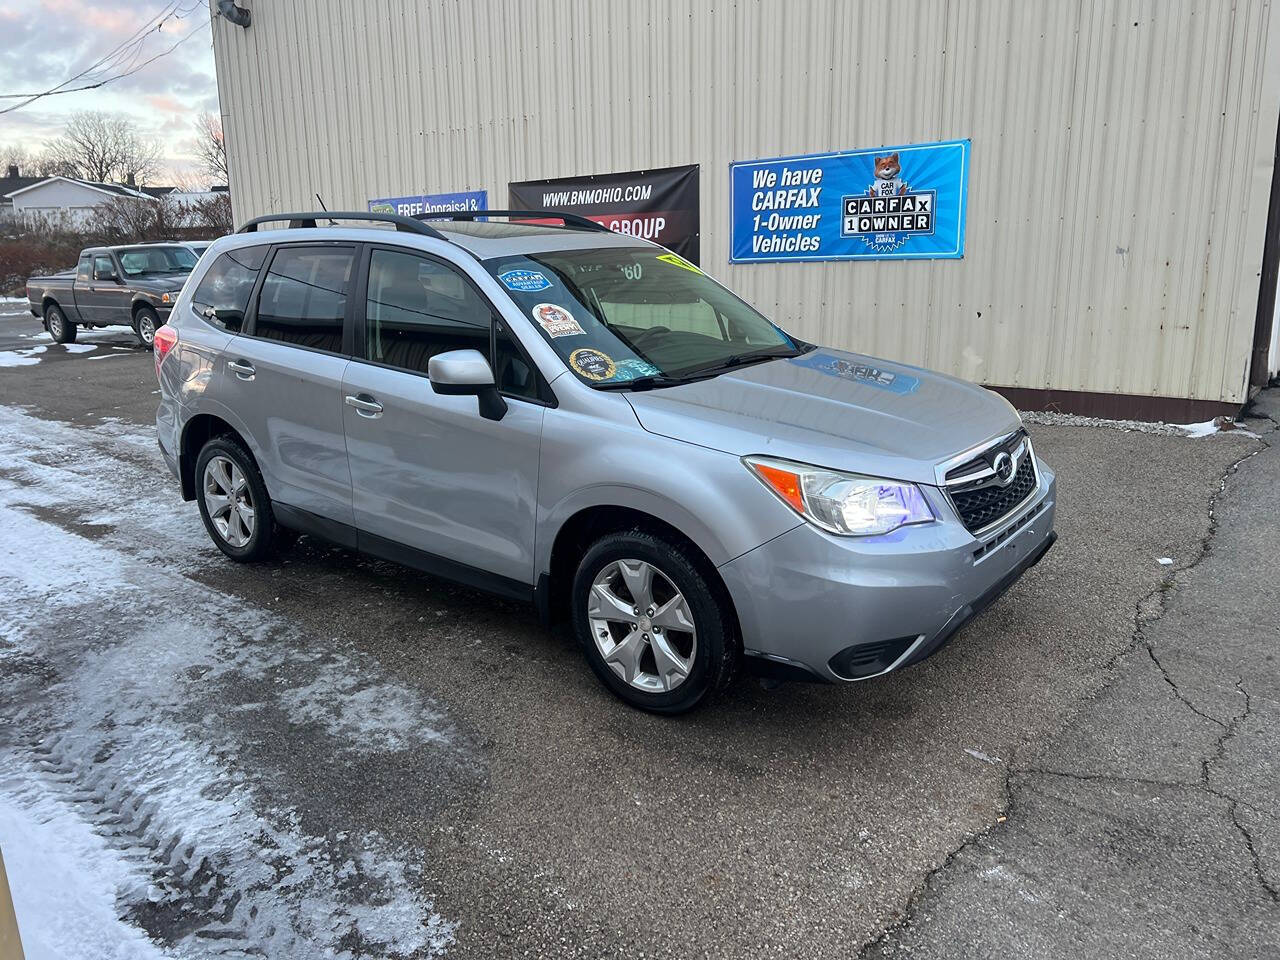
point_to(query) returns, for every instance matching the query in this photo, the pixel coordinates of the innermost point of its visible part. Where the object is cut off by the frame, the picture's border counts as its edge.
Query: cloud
(60, 38)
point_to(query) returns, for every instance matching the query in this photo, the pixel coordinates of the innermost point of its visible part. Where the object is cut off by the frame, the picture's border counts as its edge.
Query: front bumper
(845, 608)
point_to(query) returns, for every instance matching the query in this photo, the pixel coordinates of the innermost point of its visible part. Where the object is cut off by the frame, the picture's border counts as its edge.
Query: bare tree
(14, 155)
(46, 164)
(104, 147)
(211, 148)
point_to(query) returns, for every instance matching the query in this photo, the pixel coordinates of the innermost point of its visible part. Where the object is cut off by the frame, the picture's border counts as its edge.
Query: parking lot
(332, 753)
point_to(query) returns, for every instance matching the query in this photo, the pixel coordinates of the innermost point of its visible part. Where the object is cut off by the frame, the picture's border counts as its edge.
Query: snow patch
(79, 347)
(64, 881)
(1208, 428)
(148, 795)
(21, 358)
(1165, 561)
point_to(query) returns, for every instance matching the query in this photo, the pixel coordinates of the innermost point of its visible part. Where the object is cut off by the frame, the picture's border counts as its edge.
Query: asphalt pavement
(1087, 769)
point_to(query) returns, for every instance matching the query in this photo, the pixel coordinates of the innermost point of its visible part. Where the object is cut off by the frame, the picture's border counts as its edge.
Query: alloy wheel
(642, 625)
(147, 329)
(229, 501)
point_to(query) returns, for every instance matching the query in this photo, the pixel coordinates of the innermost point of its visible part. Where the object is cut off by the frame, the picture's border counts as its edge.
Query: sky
(45, 42)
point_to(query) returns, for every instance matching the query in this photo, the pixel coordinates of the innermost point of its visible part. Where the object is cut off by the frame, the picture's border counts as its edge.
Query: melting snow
(21, 358)
(123, 797)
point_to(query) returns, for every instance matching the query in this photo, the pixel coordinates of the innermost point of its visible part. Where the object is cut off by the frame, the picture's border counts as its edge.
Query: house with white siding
(67, 199)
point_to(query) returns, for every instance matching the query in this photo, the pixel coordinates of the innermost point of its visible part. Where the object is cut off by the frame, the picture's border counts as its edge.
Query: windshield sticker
(556, 320)
(524, 281)
(631, 369)
(878, 377)
(593, 364)
(678, 261)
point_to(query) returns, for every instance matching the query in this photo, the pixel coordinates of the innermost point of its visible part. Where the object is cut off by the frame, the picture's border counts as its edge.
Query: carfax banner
(658, 205)
(894, 203)
(432, 203)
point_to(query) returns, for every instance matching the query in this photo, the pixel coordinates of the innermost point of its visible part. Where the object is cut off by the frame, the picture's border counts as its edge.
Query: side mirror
(466, 373)
(108, 274)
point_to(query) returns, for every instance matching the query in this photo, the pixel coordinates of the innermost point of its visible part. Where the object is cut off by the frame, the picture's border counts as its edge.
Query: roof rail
(407, 224)
(570, 220)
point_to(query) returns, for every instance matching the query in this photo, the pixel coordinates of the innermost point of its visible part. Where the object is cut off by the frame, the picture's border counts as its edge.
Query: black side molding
(345, 535)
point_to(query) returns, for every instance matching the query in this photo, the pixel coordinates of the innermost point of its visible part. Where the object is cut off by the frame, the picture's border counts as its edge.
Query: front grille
(984, 505)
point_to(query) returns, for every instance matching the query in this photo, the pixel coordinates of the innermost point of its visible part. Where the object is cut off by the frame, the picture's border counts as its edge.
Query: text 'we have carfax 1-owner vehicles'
(587, 421)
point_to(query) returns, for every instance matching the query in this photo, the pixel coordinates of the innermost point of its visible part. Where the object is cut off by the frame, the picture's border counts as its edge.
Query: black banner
(657, 205)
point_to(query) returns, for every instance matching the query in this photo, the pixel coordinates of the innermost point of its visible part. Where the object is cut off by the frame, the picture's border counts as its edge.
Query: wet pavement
(329, 753)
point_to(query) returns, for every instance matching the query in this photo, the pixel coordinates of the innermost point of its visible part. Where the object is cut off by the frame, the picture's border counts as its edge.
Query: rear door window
(223, 295)
(84, 269)
(304, 297)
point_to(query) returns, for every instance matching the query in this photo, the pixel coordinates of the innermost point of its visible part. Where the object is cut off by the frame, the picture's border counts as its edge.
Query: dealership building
(1073, 203)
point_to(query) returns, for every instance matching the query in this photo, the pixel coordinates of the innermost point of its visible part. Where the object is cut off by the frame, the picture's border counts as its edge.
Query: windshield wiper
(739, 359)
(642, 383)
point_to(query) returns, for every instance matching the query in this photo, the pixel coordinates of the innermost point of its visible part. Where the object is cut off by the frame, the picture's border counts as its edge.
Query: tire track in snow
(127, 688)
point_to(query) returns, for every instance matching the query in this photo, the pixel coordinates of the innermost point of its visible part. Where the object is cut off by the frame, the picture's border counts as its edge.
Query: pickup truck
(132, 286)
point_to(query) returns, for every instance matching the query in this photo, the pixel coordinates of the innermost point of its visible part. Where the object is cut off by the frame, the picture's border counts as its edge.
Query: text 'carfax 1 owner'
(900, 203)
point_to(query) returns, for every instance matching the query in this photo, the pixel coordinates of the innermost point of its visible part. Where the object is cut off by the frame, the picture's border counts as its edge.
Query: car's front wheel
(233, 499)
(144, 326)
(652, 624)
(60, 328)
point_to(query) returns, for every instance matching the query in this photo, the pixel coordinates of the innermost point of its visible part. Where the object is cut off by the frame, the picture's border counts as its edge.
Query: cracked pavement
(1150, 827)
(1088, 769)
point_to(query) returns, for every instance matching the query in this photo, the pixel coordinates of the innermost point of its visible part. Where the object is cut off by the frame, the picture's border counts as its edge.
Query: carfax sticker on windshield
(592, 363)
(556, 320)
(524, 281)
(630, 369)
(894, 381)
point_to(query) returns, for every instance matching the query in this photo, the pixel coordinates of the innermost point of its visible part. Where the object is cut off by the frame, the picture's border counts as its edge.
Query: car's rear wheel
(144, 326)
(652, 624)
(60, 328)
(233, 500)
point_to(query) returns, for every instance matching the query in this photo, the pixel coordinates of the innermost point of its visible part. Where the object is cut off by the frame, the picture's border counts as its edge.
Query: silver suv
(587, 421)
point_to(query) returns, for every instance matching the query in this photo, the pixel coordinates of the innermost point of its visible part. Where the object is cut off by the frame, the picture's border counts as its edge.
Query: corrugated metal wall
(1122, 151)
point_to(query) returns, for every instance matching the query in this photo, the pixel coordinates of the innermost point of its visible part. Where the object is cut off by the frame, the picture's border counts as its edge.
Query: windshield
(637, 314)
(156, 260)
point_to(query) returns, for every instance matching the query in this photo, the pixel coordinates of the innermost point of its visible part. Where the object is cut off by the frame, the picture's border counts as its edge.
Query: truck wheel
(60, 328)
(652, 623)
(145, 323)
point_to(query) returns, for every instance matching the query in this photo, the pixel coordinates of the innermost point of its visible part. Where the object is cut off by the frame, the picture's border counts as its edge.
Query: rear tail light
(165, 340)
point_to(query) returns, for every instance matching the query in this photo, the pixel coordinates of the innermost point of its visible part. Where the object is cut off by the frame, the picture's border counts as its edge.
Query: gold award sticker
(592, 364)
(556, 320)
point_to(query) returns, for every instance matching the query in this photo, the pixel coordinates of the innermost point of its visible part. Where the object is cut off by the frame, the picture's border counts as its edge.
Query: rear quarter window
(223, 295)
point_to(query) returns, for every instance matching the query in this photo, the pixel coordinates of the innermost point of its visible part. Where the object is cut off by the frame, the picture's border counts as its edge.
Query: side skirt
(345, 535)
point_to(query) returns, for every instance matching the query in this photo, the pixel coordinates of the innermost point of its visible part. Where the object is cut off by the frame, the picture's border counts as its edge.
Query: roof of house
(10, 184)
(116, 189)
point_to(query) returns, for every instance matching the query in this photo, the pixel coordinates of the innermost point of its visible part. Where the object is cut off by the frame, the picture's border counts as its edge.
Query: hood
(169, 282)
(832, 409)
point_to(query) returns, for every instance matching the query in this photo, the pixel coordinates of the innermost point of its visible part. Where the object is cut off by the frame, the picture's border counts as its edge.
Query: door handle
(241, 369)
(365, 405)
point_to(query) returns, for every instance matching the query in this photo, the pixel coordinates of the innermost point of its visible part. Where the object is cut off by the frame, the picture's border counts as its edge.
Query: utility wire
(133, 39)
(116, 58)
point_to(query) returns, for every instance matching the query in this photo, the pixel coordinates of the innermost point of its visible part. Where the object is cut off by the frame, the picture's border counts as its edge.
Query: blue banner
(432, 203)
(894, 203)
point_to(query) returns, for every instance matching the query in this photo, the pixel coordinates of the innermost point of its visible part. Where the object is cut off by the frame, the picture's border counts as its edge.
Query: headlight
(843, 503)
(168, 297)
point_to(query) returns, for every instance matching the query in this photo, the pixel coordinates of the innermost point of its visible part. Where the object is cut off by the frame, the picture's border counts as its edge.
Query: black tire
(145, 323)
(717, 652)
(262, 542)
(60, 328)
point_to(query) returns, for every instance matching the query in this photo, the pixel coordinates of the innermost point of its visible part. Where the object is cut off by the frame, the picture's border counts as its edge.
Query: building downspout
(1259, 361)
